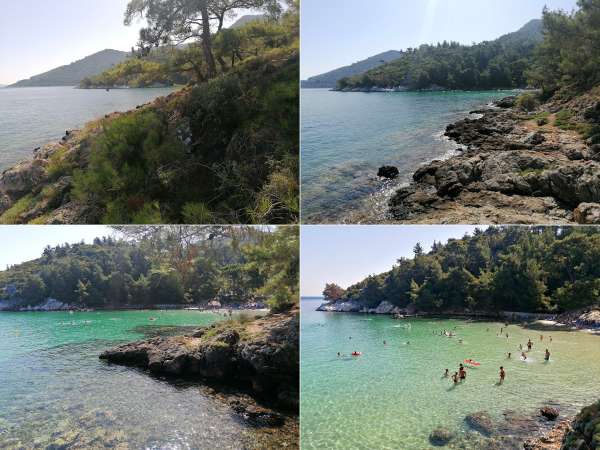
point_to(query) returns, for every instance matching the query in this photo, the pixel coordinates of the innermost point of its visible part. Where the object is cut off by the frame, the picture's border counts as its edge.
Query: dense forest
(568, 58)
(223, 149)
(537, 269)
(497, 64)
(559, 53)
(171, 265)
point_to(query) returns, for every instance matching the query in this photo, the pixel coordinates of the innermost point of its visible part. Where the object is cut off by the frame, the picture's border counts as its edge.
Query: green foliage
(498, 64)
(567, 60)
(12, 215)
(527, 102)
(172, 266)
(223, 151)
(538, 269)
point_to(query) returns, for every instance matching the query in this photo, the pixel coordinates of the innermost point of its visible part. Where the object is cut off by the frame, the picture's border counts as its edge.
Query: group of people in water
(461, 375)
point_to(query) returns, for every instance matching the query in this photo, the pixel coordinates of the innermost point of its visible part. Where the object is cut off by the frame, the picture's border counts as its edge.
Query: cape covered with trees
(537, 269)
(172, 265)
(558, 53)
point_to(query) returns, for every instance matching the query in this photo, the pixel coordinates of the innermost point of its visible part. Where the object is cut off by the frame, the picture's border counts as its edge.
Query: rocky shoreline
(512, 167)
(253, 366)
(585, 319)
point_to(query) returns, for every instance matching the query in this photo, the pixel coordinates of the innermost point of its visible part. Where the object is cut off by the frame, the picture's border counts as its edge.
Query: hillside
(233, 266)
(536, 269)
(329, 79)
(224, 149)
(72, 74)
(246, 19)
(501, 63)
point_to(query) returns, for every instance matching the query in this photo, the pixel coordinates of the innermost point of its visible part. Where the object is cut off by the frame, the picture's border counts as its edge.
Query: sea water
(394, 395)
(347, 136)
(53, 386)
(31, 117)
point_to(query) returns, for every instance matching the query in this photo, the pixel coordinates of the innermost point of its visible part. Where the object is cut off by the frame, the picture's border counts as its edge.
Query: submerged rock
(480, 421)
(441, 436)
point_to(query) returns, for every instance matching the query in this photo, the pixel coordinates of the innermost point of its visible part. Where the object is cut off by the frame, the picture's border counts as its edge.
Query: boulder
(389, 172)
(441, 436)
(384, 308)
(23, 178)
(587, 213)
(549, 412)
(480, 421)
(535, 138)
(257, 416)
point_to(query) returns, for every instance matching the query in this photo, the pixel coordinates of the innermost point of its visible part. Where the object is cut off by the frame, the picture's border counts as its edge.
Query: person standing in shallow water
(502, 374)
(547, 355)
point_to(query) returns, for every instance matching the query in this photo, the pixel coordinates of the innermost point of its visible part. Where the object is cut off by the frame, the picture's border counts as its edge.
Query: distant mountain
(244, 20)
(501, 63)
(72, 74)
(329, 79)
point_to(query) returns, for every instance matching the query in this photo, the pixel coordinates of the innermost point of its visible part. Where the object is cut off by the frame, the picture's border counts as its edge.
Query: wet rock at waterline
(389, 172)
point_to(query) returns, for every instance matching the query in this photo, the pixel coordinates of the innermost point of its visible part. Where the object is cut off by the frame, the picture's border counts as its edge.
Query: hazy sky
(39, 35)
(336, 33)
(347, 254)
(24, 243)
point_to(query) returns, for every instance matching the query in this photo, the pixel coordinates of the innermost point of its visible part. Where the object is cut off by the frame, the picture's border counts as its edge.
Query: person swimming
(339, 354)
(502, 374)
(446, 373)
(455, 377)
(524, 356)
(547, 355)
(508, 356)
(384, 342)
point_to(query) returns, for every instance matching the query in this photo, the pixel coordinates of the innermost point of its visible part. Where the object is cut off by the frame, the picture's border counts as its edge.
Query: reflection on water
(395, 394)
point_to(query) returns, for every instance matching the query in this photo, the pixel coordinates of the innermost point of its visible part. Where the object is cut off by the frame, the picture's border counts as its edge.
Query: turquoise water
(394, 395)
(346, 137)
(31, 117)
(53, 387)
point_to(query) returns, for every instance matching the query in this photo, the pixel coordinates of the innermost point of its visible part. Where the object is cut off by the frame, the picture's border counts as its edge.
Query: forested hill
(72, 74)
(329, 79)
(538, 269)
(501, 63)
(170, 265)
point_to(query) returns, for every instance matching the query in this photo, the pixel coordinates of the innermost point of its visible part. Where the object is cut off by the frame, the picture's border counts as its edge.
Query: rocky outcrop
(342, 306)
(585, 430)
(261, 356)
(512, 169)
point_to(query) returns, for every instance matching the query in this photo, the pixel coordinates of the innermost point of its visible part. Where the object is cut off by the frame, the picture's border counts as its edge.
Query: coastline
(252, 366)
(512, 167)
(574, 320)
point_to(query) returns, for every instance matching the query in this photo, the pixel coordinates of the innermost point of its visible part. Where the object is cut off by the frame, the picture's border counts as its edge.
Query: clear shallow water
(394, 395)
(31, 117)
(53, 386)
(346, 137)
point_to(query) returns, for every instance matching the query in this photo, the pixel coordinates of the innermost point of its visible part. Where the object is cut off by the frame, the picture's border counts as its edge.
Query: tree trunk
(207, 40)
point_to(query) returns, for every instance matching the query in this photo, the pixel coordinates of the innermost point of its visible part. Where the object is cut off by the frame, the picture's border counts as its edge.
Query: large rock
(585, 432)
(549, 412)
(388, 172)
(506, 102)
(23, 178)
(384, 308)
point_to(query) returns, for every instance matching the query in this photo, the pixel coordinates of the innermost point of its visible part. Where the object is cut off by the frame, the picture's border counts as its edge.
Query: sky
(24, 243)
(335, 33)
(40, 35)
(347, 254)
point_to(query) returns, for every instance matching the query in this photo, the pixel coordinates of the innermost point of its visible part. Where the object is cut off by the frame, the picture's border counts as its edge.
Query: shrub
(527, 102)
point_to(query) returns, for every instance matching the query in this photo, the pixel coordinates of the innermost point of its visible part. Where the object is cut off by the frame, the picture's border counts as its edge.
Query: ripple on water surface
(394, 395)
(346, 137)
(54, 388)
(31, 117)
